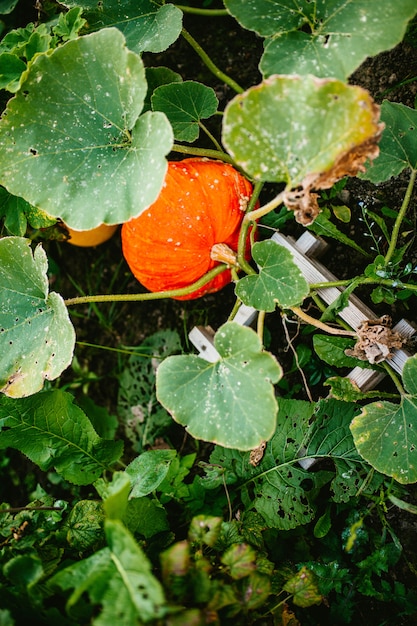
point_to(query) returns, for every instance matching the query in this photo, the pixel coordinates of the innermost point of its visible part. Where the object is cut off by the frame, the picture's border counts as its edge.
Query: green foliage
(273, 130)
(195, 392)
(398, 143)
(320, 38)
(279, 281)
(55, 433)
(83, 126)
(36, 336)
(286, 518)
(384, 432)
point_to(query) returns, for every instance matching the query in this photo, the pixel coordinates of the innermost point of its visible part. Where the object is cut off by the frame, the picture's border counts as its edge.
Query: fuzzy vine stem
(207, 12)
(318, 324)
(394, 378)
(250, 217)
(209, 63)
(159, 295)
(203, 152)
(385, 282)
(211, 136)
(400, 218)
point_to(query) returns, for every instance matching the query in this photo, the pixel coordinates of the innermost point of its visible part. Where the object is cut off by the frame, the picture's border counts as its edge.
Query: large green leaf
(385, 434)
(73, 142)
(230, 402)
(321, 37)
(279, 488)
(398, 146)
(185, 104)
(279, 280)
(291, 127)
(54, 433)
(148, 470)
(118, 579)
(147, 26)
(36, 336)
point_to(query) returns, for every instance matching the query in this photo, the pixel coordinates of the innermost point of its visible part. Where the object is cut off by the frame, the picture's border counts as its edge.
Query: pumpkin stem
(222, 253)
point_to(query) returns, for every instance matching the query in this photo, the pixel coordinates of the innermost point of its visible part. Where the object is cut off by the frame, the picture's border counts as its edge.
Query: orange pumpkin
(169, 246)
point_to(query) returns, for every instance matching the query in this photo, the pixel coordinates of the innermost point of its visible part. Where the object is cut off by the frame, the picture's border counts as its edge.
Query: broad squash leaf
(36, 336)
(279, 281)
(185, 104)
(73, 142)
(295, 129)
(385, 433)
(398, 146)
(146, 25)
(321, 37)
(230, 402)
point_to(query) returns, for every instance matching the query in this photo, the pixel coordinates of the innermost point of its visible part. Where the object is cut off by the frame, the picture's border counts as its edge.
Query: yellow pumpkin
(93, 237)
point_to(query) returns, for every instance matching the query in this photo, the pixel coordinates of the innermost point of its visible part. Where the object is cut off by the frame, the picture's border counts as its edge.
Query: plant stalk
(318, 324)
(207, 12)
(209, 63)
(394, 378)
(250, 217)
(140, 297)
(203, 152)
(400, 218)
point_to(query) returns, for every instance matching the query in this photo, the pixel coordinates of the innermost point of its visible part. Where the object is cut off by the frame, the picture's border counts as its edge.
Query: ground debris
(376, 340)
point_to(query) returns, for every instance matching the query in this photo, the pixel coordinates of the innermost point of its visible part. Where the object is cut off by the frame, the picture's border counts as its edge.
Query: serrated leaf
(147, 26)
(75, 123)
(280, 281)
(320, 37)
(54, 433)
(230, 402)
(205, 529)
(36, 336)
(240, 560)
(289, 128)
(146, 517)
(148, 470)
(398, 145)
(85, 525)
(303, 588)
(185, 104)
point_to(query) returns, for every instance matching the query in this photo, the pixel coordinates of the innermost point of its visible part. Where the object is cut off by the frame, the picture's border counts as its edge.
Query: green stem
(394, 378)
(243, 234)
(250, 217)
(211, 137)
(140, 297)
(203, 152)
(261, 325)
(400, 218)
(209, 63)
(208, 12)
(385, 282)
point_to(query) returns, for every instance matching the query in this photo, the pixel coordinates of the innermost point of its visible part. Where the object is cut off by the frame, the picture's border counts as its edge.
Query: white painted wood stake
(314, 272)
